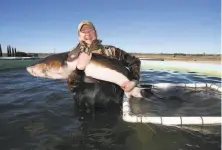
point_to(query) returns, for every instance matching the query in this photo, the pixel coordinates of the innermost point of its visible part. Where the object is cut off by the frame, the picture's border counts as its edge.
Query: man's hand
(128, 86)
(83, 60)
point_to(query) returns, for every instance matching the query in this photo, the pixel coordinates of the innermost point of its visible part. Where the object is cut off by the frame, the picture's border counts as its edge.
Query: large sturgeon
(62, 66)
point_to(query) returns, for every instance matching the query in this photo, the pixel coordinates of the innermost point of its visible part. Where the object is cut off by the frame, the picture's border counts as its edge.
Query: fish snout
(33, 70)
(29, 69)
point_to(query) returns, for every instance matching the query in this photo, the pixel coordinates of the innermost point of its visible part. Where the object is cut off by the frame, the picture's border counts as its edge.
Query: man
(88, 38)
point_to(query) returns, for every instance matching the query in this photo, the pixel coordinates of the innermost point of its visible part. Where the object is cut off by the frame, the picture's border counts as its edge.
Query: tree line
(11, 52)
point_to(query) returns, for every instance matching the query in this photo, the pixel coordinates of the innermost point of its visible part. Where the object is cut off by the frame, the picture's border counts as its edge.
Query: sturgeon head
(54, 67)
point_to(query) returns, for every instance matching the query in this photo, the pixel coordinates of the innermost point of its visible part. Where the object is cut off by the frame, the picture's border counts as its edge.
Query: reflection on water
(40, 114)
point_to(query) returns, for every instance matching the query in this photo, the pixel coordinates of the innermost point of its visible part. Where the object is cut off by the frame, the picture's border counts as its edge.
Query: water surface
(39, 114)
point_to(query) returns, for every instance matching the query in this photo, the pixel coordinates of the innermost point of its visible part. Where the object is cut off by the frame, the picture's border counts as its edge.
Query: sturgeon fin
(74, 79)
(72, 55)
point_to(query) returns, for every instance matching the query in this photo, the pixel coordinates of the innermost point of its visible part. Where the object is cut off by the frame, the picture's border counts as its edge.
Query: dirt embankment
(205, 58)
(208, 58)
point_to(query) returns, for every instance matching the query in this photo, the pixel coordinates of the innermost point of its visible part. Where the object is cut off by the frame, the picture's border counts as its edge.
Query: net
(176, 104)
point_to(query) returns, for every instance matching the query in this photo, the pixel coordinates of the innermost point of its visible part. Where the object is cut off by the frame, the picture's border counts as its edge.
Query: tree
(10, 52)
(15, 51)
(0, 50)
(7, 51)
(13, 54)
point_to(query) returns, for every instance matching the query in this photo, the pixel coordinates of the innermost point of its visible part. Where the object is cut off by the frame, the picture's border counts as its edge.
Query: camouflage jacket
(131, 62)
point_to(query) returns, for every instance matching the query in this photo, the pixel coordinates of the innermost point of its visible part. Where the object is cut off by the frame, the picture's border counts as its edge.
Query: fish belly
(105, 74)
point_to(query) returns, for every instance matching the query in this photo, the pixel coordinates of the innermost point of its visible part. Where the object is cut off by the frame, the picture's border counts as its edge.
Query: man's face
(87, 34)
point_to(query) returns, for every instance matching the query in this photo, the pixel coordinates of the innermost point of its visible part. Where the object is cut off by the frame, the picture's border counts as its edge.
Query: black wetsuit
(97, 95)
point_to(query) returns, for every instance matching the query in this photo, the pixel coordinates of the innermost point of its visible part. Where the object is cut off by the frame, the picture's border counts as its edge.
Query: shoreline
(181, 57)
(194, 58)
(190, 61)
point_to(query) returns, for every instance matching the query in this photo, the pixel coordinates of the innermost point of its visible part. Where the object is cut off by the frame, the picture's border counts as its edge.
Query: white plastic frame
(128, 116)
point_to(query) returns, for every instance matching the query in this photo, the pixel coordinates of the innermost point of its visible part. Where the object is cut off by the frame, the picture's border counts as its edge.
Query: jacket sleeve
(131, 62)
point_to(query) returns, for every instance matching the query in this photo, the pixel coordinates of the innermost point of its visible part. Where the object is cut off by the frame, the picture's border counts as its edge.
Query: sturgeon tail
(144, 91)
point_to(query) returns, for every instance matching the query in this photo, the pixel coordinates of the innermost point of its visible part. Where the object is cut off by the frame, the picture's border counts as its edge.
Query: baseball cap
(85, 22)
